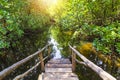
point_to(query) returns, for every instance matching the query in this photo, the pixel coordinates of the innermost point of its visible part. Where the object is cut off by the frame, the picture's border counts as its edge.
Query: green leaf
(4, 44)
(3, 30)
(118, 47)
(1, 16)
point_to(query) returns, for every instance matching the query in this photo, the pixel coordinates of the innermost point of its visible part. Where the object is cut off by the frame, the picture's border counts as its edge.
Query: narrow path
(58, 69)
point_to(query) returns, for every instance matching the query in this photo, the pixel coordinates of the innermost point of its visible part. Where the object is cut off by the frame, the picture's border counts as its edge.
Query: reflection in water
(56, 51)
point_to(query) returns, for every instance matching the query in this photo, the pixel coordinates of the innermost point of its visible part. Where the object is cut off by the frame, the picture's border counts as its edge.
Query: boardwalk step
(69, 78)
(58, 65)
(60, 76)
(53, 78)
(59, 61)
(58, 69)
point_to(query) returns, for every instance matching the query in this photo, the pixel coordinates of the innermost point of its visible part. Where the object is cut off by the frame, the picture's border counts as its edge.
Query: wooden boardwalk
(58, 69)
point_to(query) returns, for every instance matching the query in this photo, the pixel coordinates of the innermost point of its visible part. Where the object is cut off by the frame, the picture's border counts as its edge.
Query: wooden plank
(59, 61)
(64, 75)
(60, 76)
(58, 65)
(55, 78)
(58, 69)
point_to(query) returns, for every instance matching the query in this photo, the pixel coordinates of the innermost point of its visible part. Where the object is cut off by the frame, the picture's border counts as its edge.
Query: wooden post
(49, 50)
(40, 76)
(73, 61)
(42, 62)
(70, 51)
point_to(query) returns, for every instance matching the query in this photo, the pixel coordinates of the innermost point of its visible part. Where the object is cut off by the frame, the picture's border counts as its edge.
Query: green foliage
(64, 37)
(118, 47)
(20, 19)
(91, 20)
(9, 29)
(107, 39)
(87, 20)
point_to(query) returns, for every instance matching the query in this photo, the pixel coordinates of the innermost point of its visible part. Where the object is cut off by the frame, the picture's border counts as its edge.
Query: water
(56, 51)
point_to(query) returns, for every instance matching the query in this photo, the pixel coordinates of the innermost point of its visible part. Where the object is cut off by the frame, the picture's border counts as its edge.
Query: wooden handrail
(28, 71)
(80, 62)
(104, 75)
(8, 70)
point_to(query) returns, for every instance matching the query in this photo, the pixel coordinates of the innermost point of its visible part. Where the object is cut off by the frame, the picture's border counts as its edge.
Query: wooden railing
(10, 69)
(104, 75)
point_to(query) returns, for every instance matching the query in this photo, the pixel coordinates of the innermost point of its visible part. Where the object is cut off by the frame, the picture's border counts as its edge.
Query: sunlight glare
(53, 1)
(52, 6)
(50, 3)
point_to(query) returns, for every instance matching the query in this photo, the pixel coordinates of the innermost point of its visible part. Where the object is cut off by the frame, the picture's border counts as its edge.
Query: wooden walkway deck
(58, 69)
